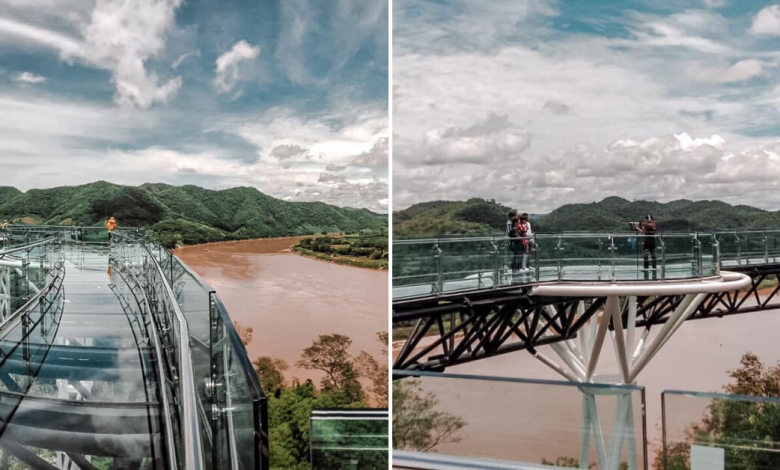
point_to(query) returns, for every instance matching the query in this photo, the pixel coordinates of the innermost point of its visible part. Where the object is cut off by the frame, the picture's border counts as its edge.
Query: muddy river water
(531, 422)
(289, 300)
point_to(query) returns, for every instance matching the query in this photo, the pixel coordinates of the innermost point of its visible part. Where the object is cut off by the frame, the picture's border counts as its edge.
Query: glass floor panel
(83, 386)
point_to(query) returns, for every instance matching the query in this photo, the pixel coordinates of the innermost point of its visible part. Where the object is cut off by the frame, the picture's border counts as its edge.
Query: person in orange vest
(111, 226)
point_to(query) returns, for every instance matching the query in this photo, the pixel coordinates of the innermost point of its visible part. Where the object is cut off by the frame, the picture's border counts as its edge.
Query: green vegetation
(290, 404)
(417, 424)
(183, 215)
(480, 216)
(367, 250)
(747, 431)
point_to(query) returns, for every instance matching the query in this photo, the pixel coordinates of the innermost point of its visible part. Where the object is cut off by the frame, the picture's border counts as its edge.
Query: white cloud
(285, 151)
(117, 35)
(27, 34)
(29, 77)
(374, 158)
(123, 35)
(663, 168)
(183, 57)
(227, 64)
(687, 78)
(767, 21)
(738, 72)
(493, 139)
(329, 36)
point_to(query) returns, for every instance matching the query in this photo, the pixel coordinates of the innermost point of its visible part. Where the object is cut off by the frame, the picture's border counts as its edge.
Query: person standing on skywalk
(524, 229)
(649, 229)
(515, 244)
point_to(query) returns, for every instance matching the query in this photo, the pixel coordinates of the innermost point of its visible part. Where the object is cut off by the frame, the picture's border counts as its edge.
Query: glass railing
(349, 439)
(713, 431)
(492, 422)
(174, 336)
(240, 411)
(451, 264)
(23, 272)
(26, 340)
(230, 405)
(744, 248)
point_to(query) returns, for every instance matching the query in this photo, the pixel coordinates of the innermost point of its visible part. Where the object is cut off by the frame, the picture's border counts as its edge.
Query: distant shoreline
(341, 260)
(225, 242)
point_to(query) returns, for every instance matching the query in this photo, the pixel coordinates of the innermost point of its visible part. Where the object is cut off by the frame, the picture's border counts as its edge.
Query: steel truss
(472, 326)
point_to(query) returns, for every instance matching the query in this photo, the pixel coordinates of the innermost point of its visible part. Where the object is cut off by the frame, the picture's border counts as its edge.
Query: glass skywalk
(437, 266)
(117, 354)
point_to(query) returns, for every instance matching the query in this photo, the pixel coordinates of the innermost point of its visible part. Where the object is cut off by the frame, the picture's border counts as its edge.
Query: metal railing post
(536, 258)
(439, 268)
(559, 249)
(739, 249)
(496, 279)
(766, 247)
(716, 254)
(663, 257)
(613, 249)
(601, 250)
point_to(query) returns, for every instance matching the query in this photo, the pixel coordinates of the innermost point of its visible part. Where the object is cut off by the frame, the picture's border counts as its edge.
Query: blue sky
(287, 96)
(538, 103)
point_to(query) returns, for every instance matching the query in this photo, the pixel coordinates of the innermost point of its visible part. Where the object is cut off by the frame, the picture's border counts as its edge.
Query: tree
(289, 417)
(746, 430)
(329, 353)
(417, 425)
(244, 332)
(270, 371)
(375, 371)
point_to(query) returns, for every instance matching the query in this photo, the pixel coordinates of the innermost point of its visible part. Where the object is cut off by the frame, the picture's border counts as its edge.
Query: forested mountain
(182, 214)
(611, 214)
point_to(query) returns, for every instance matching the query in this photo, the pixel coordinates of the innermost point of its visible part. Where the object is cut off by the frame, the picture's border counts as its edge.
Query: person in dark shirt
(515, 244)
(649, 229)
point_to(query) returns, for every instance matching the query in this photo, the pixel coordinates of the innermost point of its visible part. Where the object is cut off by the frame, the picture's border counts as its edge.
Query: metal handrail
(247, 369)
(191, 438)
(169, 439)
(27, 246)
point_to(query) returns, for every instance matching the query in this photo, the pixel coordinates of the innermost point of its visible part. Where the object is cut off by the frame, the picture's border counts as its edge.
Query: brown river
(519, 422)
(290, 300)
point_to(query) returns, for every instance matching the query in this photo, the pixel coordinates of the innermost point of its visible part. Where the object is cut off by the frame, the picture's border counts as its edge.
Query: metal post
(601, 249)
(439, 268)
(716, 254)
(766, 248)
(663, 257)
(559, 249)
(739, 249)
(613, 250)
(536, 257)
(496, 280)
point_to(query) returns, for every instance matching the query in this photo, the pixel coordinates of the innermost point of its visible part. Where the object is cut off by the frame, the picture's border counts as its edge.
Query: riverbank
(290, 300)
(357, 262)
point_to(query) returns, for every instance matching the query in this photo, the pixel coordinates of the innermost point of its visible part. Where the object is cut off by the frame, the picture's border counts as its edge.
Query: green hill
(479, 216)
(186, 214)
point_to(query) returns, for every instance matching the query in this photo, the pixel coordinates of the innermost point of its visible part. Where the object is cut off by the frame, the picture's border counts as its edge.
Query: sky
(287, 96)
(540, 103)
